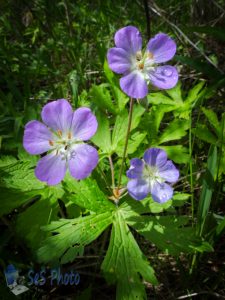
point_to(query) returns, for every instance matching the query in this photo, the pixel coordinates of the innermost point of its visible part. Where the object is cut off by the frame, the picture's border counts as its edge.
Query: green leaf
(212, 118)
(121, 123)
(180, 198)
(101, 96)
(178, 153)
(216, 32)
(69, 234)
(175, 130)
(19, 175)
(169, 233)
(119, 96)
(135, 140)
(87, 194)
(203, 133)
(124, 262)
(176, 93)
(102, 138)
(207, 189)
(160, 98)
(28, 223)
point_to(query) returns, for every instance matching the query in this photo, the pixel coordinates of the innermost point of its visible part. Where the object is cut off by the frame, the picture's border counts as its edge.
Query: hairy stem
(126, 141)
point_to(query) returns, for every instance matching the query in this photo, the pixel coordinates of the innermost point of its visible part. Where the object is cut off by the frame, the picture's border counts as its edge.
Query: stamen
(51, 143)
(141, 66)
(59, 132)
(150, 55)
(138, 56)
(69, 135)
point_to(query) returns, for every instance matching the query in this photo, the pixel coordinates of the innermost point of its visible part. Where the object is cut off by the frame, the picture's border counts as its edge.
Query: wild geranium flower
(149, 176)
(62, 135)
(140, 68)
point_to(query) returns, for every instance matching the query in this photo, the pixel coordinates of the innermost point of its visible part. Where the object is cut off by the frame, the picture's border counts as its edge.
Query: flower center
(63, 144)
(151, 174)
(144, 62)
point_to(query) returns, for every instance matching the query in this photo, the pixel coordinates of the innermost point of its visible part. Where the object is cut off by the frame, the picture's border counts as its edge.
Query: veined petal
(168, 172)
(129, 39)
(119, 60)
(136, 168)
(161, 192)
(164, 77)
(37, 138)
(84, 124)
(138, 188)
(134, 85)
(58, 115)
(162, 47)
(51, 168)
(155, 157)
(84, 159)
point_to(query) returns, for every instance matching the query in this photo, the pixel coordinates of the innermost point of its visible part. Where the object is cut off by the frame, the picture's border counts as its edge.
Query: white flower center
(151, 175)
(144, 63)
(63, 144)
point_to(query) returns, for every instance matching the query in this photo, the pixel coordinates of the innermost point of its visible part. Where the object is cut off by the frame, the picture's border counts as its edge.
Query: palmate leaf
(169, 233)
(125, 264)
(71, 235)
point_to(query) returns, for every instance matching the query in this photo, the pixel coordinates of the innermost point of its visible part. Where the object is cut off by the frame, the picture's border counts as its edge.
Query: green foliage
(207, 189)
(124, 262)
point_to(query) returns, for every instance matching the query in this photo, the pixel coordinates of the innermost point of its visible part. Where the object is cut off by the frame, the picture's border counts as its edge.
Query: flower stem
(112, 171)
(126, 141)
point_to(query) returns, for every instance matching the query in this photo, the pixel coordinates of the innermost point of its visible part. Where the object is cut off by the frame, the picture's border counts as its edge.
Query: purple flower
(150, 174)
(62, 135)
(138, 68)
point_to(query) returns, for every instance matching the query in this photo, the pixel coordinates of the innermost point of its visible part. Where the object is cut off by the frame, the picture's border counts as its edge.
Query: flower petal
(84, 159)
(37, 138)
(51, 168)
(84, 124)
(155, 157)
(58, 115)
(136, 168)
(161, 192)
(134, 85)
(162, 47)
(164, 77)
(129, 39)
(138, 188)
(119, 60)
(169, 172)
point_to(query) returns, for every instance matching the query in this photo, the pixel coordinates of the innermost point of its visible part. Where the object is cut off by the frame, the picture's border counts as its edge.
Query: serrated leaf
(203, 133)
(87, 194)
(101, 96)
(19, 175)
(176, 93)
(195, 93)
(70, 233)
(175, 130)
(125, 263)
(212, 118)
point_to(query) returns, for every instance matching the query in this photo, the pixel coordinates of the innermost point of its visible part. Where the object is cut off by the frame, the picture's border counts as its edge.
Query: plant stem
(112, 171)
(126, 141)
